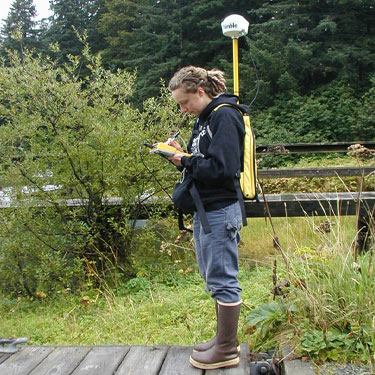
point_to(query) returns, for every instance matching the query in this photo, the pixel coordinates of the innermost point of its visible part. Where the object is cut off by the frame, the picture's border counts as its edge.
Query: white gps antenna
(235, 26)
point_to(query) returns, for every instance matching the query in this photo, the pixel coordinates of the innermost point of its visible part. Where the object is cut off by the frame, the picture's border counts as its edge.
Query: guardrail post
(364, 225)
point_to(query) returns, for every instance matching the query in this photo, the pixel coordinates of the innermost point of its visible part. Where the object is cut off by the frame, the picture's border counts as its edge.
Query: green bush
(67, 144)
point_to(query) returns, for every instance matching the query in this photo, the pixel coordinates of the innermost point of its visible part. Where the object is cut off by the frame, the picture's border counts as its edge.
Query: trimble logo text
(231, 26)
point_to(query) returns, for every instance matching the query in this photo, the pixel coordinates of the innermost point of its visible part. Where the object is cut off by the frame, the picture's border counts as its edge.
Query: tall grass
(293, 233)
(334, 297)
(327, 307)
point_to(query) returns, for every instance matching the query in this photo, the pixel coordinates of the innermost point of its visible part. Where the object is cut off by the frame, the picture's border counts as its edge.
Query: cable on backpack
(276, 241)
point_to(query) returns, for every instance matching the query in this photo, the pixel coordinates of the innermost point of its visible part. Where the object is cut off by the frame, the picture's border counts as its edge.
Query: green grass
(293, 233)
(165, 303)
(180, 315)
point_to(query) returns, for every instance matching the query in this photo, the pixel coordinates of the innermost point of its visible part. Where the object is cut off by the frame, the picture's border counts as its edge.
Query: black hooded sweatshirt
(217, 145)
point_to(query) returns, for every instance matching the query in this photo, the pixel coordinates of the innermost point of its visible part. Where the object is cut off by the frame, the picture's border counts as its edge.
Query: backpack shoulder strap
(240, 200)
(200, 211)
(230, 105)
(218, 107)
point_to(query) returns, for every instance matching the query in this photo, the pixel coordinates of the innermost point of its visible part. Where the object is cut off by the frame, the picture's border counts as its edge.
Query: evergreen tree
(69, 18)
(303, 46)
(158, 37)
(316, 59)
(19, 30)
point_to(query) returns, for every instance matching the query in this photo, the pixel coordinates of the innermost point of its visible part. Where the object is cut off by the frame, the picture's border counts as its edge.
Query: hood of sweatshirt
(220, 99)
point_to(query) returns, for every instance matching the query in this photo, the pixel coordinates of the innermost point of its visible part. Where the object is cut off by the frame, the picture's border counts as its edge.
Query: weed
(266, 319)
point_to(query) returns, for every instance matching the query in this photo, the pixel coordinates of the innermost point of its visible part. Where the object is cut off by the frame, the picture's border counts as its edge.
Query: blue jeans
(217, 252)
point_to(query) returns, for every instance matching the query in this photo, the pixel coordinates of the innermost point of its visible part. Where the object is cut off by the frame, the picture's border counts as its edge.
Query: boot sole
(198, 351)
(210, 366)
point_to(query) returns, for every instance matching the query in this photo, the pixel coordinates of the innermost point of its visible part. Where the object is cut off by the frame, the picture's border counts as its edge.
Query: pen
(176, 135)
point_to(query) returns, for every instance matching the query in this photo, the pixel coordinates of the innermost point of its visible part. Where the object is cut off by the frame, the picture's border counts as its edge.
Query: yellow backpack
(248, 178)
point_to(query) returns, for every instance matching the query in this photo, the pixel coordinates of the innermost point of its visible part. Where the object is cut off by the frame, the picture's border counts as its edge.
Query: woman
(216, 146)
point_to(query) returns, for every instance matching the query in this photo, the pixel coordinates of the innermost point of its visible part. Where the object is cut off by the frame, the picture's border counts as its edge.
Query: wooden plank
(24, 361)
(4, 357)
(143, 360)
(300, 148)
(62, 361)
(102, 360)
(315, 172)
(242, 369)
(177, 362)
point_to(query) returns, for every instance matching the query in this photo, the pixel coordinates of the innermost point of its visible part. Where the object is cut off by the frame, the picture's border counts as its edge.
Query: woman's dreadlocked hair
(191, 78)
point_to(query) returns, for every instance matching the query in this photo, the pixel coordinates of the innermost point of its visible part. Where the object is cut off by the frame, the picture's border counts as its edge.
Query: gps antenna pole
(235, 26)
(236, 89)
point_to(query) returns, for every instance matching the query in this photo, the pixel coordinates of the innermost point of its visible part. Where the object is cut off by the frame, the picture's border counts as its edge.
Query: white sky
(42, 9)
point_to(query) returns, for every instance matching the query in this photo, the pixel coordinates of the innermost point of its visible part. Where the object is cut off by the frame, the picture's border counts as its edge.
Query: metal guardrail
(300, 148)
(316, 172)
(312, 204)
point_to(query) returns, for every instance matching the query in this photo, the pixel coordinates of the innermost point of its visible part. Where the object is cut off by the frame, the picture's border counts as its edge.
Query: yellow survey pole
(235, 26)
(236, 88)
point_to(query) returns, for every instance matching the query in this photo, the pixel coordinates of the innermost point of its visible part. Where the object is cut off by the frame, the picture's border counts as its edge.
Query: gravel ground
(350, 369)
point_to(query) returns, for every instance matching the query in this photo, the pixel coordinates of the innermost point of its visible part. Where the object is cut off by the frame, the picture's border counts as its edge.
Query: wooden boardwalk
(110, 360)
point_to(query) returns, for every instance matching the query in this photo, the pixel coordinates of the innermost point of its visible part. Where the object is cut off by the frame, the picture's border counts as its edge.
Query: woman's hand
(175, 144)
(176, 159)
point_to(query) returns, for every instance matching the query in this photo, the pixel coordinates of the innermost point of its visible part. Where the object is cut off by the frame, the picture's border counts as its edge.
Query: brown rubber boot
(201, 347)
(209, 344)
(224, 352)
